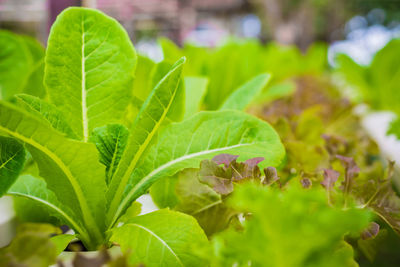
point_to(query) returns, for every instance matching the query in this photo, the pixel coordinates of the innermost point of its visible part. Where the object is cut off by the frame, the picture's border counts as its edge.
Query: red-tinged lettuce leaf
(222, 178)
(225, 159)
(378, 194)
(371, 232)
(202, 192)
(351, 170)
(271, 176)
(330, 177)
(306, 183)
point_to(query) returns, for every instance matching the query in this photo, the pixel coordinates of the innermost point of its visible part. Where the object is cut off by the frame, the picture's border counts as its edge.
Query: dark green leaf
(12, 159)
(110, 141)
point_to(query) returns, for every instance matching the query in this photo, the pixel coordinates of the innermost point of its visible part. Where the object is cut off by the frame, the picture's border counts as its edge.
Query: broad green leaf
(110, 141)
(15, 64)
(149, 120)
(71, 169)
(161, 238)
(163, 192)
(207, 134)
(36, 190)
(245, 94)
(89, 70)
(34, 85)
(35, 48)
(31, 247)
(46, 111)
(243, 59)
(195, 90)
(61, 242)
(201, 202)
(133, 211)
(12, 159)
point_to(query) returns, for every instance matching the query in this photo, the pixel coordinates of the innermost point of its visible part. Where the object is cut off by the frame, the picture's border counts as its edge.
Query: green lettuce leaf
(245, 94)
(61, 242)
(163, 193)
(47, 112)
(195, 91)
(31, 247)
(202, 202)
(111, 141)
(36, 190)
(71, 168)
(87, 54)
(177, 109)
(148, 122)
(161, 238)
(15, 64)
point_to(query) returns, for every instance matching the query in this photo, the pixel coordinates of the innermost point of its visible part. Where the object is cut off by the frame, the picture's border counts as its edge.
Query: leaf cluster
(100, 139)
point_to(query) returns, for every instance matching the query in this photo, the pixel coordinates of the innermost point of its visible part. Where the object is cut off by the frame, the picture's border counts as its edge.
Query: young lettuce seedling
(89, 71)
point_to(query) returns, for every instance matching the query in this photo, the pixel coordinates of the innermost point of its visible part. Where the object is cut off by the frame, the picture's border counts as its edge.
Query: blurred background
(355, 27)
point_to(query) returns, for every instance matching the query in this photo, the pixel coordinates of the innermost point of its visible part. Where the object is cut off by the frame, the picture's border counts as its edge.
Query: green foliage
(378, 84)
(293, 227)
(94, 160)
(31, 246)
(111, 141)
(243, 96)
(46, 112)
(195, 90)
(82, 63)
(21, 66)
(246, 59)
(157, 241)
(394, 128)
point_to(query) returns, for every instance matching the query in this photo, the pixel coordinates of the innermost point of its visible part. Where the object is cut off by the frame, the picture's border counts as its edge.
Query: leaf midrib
(159, 239)
(86, 213)
(10, 159)
(163, 167)
(85, 126)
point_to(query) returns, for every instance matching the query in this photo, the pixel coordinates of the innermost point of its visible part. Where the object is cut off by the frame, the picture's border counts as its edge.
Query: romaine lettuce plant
(89, 77)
